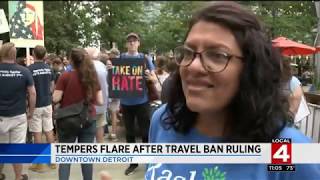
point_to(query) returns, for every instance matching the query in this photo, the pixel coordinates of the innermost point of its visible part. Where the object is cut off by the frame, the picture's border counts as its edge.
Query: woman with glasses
(226, 89)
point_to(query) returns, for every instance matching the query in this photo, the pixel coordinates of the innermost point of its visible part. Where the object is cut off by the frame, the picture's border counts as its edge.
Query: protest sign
(126, 78)
(3, 22)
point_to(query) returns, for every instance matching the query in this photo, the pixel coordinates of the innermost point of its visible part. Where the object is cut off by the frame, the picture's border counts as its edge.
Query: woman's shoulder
(296, 135)
(159, 114)
(157, 132)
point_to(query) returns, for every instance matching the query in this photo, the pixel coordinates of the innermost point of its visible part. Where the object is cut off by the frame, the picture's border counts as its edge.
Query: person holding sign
(226, 90)
(136, 107)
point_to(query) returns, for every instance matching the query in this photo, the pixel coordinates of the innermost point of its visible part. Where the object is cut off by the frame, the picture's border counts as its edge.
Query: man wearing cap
(137, 107)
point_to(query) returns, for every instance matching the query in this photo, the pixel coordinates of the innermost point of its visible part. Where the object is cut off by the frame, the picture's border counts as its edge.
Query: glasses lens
(183, 55)
(215, 61)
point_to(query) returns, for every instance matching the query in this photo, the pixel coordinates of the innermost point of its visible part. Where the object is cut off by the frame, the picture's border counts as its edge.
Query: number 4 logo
(281, 153)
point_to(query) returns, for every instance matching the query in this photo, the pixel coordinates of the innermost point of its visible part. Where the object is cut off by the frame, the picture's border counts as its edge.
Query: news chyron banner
(280, 155)
(26, 23)
(25, 153)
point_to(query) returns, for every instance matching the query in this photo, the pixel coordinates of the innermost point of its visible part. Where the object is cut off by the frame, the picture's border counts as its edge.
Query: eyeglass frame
(195, 53)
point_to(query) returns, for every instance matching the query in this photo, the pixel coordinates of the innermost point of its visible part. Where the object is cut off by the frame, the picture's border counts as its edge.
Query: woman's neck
(212, 124)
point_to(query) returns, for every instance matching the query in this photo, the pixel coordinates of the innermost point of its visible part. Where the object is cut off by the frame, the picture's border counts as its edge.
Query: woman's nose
(196, 64)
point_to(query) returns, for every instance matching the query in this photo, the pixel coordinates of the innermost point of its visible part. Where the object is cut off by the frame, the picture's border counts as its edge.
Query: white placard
(4, 27)
(303, 111)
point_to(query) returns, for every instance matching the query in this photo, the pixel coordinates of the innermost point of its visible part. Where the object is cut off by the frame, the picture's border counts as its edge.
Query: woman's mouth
(198, 86)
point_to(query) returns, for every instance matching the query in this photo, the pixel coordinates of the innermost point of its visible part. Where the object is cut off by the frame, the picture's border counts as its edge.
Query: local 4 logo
(281, 151)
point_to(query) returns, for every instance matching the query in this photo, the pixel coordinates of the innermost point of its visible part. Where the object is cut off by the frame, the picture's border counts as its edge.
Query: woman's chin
(196, 105)
(201, 105)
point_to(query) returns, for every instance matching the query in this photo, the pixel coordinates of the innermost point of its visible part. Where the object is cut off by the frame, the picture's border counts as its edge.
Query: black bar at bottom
(281, 167)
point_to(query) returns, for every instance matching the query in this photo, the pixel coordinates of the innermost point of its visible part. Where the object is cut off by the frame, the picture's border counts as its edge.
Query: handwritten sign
(126, 78)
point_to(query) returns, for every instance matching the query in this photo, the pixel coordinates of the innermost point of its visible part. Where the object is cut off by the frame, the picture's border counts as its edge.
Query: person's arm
(53, 77)
(31, 100)
(59, 89)
(99, 98)
(295, 99)
(150, 76)
(150, 72)
(57, 96)
(52, 86)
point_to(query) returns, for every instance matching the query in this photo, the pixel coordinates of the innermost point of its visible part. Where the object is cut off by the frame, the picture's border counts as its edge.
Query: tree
(294, 20)
(171, 25)
(65, 25)
(117, 20)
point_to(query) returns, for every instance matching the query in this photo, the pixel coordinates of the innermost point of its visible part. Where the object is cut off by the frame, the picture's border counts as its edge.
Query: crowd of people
(225, 83)
(51, 82)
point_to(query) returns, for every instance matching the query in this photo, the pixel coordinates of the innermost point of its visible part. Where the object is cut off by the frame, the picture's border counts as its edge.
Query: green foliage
(294, 20)
(171, 25)
(162, 25)
(67, 25)
(61, 26)
(118, 18)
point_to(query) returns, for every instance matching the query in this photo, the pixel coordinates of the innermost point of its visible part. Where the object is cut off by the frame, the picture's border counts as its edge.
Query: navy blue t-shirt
(144, 98)
(14, 81)
(42, 76)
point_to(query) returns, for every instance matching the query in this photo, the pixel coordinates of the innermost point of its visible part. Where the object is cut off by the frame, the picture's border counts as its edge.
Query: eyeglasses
(212, 60)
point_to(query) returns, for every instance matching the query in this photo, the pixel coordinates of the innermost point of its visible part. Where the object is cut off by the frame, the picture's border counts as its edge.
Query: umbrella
(292, 48)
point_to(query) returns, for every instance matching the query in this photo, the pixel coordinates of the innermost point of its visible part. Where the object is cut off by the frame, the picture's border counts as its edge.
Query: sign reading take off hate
(126, 78)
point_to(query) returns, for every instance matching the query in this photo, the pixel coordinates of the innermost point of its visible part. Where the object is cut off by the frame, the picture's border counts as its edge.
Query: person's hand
(57, 106)
(104, 175)
(29, 116)
(148, 75)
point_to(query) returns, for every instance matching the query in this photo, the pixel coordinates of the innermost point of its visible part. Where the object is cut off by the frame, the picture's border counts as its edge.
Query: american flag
(17, 26)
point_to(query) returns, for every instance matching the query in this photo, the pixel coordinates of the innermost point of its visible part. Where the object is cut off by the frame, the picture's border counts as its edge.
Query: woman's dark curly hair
(259, 109)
